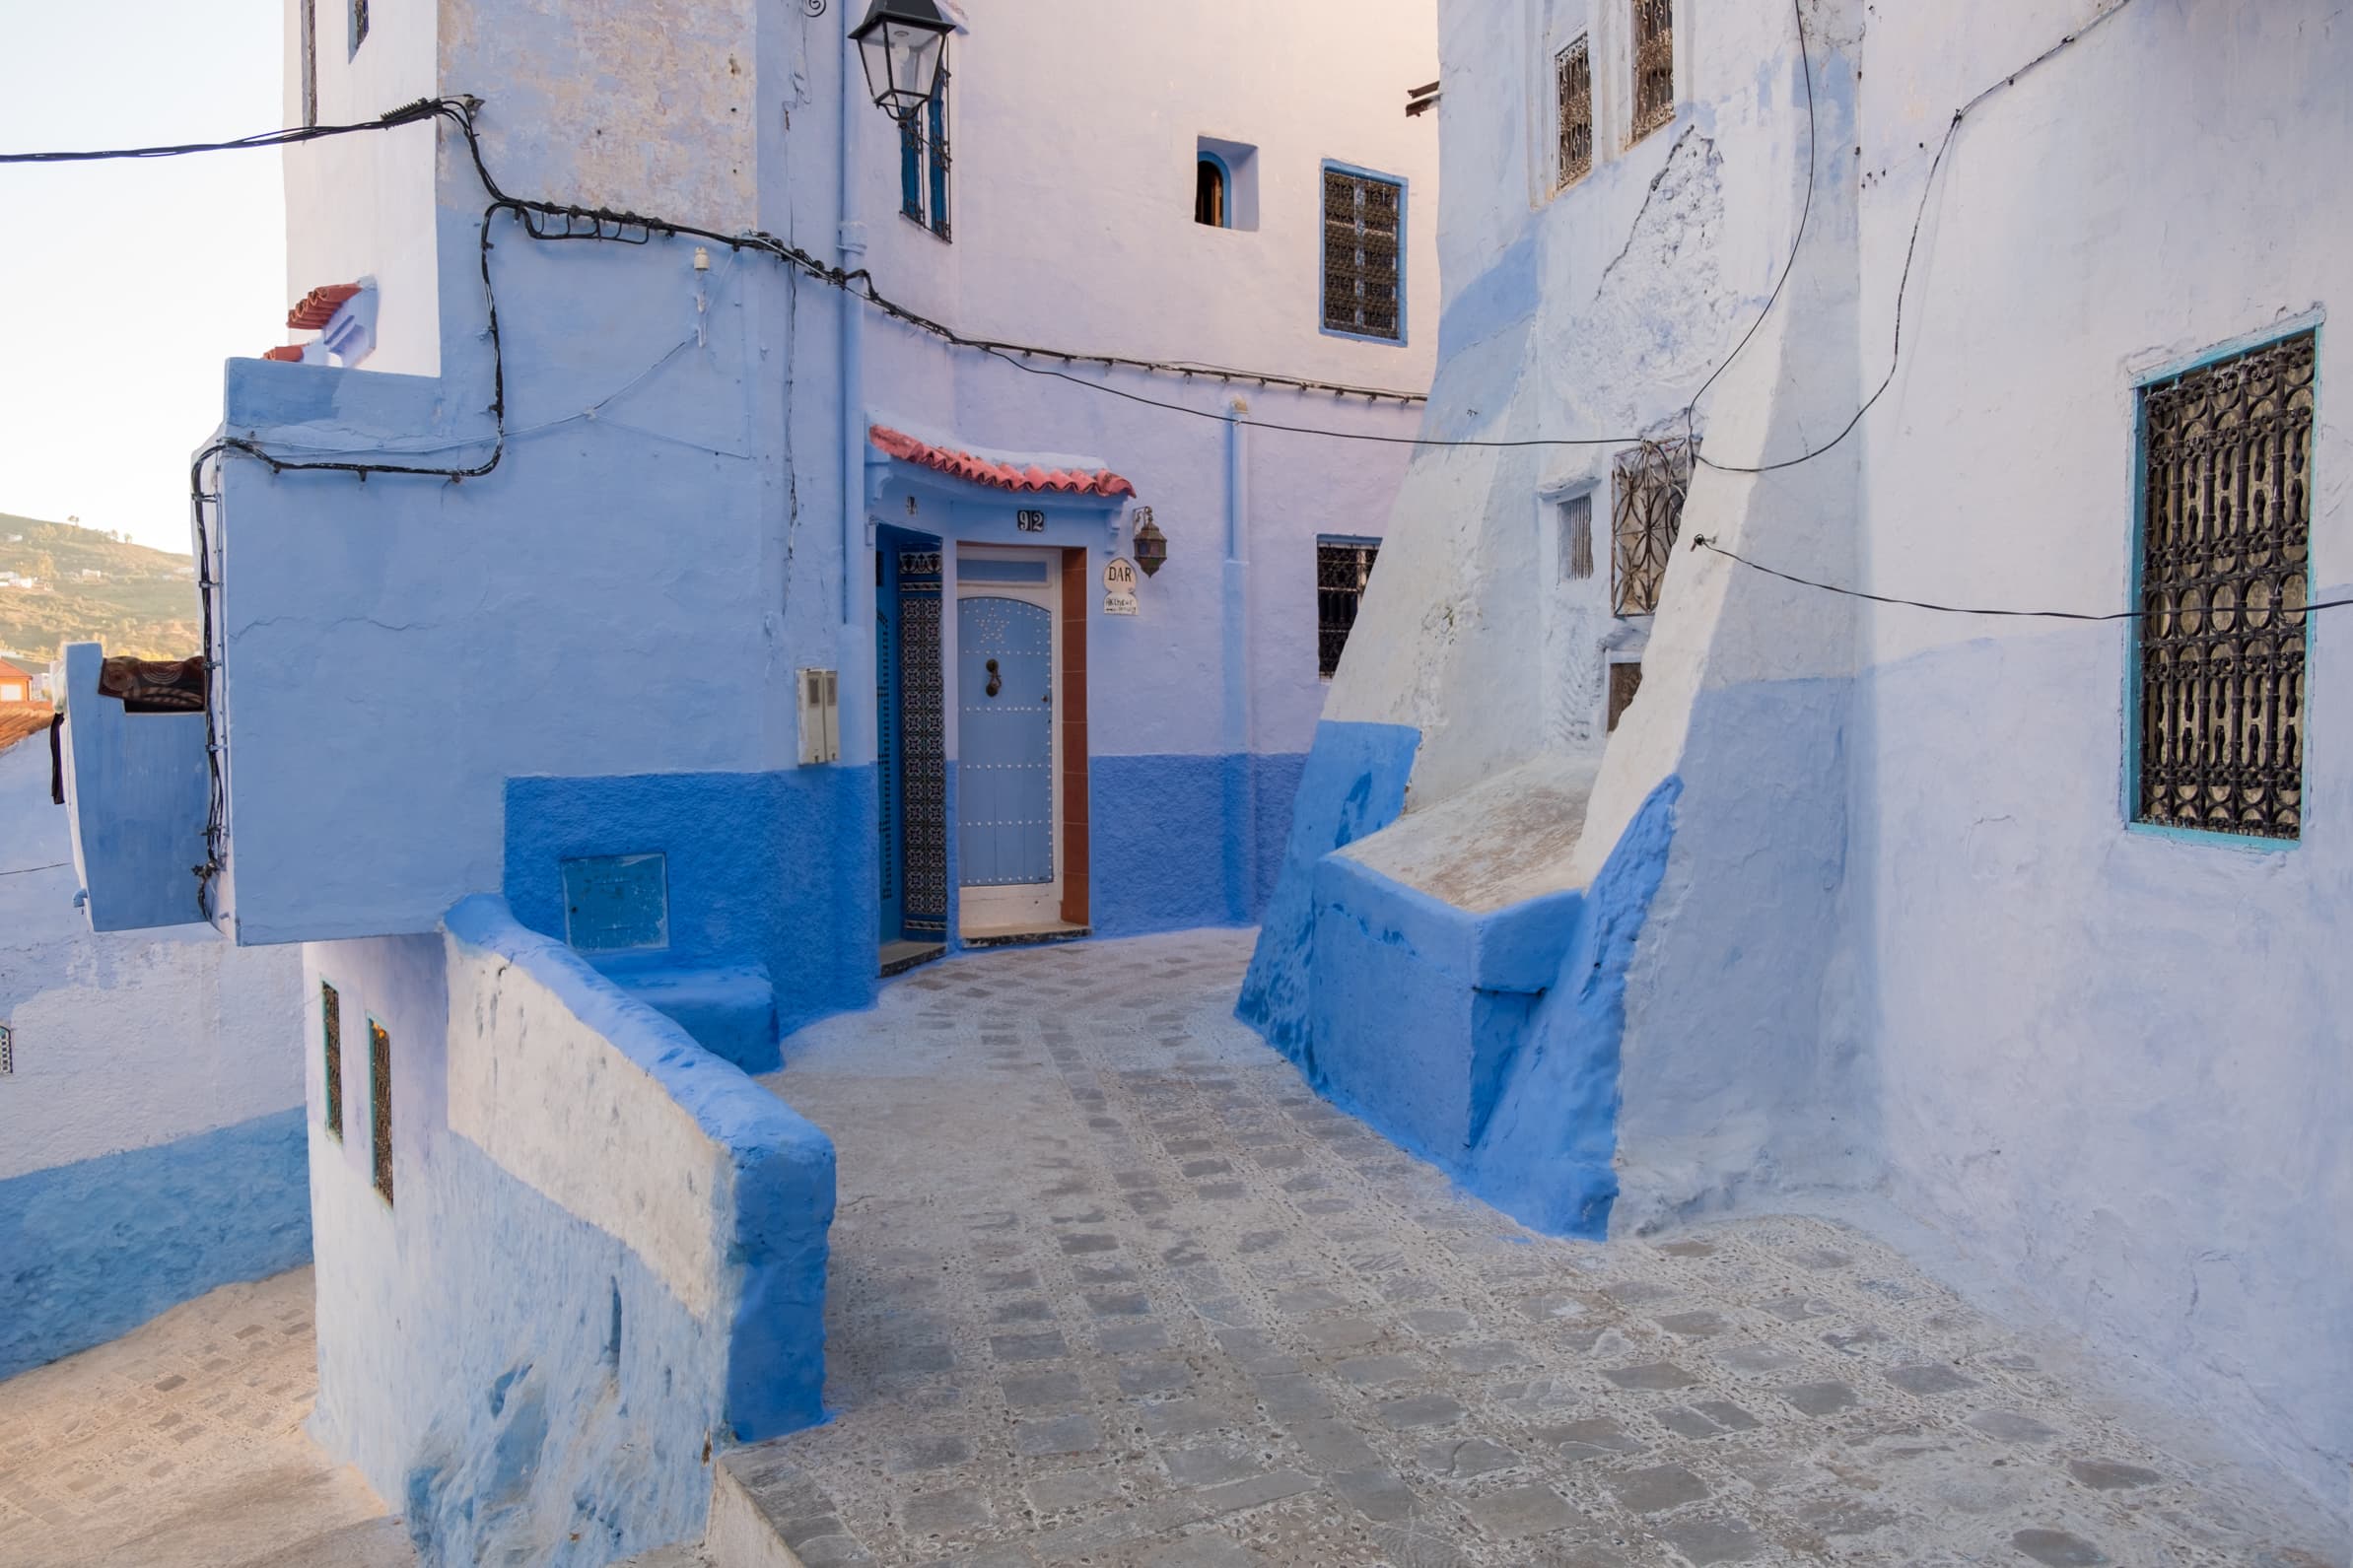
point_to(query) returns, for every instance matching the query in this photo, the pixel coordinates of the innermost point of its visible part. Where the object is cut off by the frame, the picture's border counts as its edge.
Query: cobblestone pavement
(181, 1445)
(1111, 1286)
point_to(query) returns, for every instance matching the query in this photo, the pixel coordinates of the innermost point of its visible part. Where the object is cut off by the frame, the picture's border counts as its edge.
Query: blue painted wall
(767, 871)
(1353, 783)
(1181, 841)
(140, 792)
(91, 1250)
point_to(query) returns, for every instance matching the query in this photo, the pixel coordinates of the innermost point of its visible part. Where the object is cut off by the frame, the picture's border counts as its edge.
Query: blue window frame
(1364, 254)
(2216, 702)
(924, 163)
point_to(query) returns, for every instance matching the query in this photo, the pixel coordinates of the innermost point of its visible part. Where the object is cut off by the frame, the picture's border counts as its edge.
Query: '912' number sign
(1030, 521)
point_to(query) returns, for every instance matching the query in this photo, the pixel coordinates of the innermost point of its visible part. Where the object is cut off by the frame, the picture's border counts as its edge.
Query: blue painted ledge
(784, 1174)
(91, 1251)
(1353, 784)
(1487, 1043)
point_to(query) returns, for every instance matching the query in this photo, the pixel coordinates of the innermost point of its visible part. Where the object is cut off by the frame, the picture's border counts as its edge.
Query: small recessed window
(331, 1016)
(1210, 194)
(8, 1051)
(1625, 679)
(1343, 568)
(1224, 183)
(1575, 516)
(358, 24)
(379, 1089)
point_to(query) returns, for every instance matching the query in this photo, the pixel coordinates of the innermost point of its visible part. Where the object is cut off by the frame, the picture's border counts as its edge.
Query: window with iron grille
(310, 46)
(330, 1015)
(8, 1051)
(2225, 560)
(1343, 567)
(1572, 81)
(1363, 269)
(1645, 516)
(1576, 537)
(1654, 66)
(923, 162)
(380, 1085)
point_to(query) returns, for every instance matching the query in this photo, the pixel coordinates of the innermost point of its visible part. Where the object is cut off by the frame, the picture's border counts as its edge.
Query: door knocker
(996, 681)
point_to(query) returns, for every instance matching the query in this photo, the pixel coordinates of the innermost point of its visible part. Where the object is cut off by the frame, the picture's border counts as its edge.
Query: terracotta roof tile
(286, 353)
(1002, 476)
(318, 306)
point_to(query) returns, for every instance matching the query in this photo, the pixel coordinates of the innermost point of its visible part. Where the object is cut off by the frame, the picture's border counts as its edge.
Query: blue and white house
(1630, 882)
(712, 544)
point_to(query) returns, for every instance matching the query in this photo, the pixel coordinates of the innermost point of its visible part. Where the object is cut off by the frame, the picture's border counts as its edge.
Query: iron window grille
(8, 1051)
(1576, 537)
(923, 162)
(1654, 66)
(1363, 235)
(1343, 568)
(331, 1013)
(2225, 564)
(379, 1082)
(1646, 515)
(1573, 79)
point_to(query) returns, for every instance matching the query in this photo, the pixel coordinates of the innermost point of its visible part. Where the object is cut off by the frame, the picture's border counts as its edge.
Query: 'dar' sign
(1030, 521)
(1119, 575)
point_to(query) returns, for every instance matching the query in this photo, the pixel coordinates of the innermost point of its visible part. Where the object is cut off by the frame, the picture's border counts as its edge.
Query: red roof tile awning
(288, 353)
(1001, 476)
(318, 306)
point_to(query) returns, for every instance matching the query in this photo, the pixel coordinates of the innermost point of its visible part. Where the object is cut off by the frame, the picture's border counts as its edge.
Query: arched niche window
(1212, 195)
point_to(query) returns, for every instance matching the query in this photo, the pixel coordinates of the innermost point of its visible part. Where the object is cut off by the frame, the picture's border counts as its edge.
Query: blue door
(1005, 732)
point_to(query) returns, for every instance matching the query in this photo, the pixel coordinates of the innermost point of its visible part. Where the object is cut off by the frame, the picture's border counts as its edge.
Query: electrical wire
(1702, 542)
(28, 870)
(1910, 248)
(406, 115)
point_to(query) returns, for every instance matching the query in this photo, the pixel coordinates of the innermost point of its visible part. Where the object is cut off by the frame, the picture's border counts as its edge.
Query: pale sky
(123, 286)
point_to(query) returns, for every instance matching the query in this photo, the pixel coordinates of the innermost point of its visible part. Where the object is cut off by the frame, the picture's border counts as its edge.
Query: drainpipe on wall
(1240, 776)
(851, 242)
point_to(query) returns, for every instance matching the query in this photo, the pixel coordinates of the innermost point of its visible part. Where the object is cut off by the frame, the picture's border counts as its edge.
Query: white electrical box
(820, 716)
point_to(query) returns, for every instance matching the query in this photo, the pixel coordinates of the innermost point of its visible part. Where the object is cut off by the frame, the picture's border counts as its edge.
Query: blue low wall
(606, 1252)
(1484, 1043)
(765, 872)
(91, 1250)
(1353, 783)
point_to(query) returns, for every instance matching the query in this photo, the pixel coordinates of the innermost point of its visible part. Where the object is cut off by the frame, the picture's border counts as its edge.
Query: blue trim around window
(1403, 233)
(1226, 173)
(2312, 321)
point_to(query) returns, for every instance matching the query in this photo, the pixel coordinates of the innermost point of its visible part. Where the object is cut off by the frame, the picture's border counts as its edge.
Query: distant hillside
(142, 602)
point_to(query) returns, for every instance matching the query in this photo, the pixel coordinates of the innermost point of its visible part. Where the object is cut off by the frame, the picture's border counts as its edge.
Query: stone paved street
(180, 1446)
(1111, 1286)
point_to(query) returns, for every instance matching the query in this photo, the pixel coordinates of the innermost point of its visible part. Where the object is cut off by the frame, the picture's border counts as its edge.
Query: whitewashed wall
(2115, 1062)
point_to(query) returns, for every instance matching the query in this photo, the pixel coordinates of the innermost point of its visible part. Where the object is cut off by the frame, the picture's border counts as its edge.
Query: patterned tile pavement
(180, 1446)
(1112, 1287)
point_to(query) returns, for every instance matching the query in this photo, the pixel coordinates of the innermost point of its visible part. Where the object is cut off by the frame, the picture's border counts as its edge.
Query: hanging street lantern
(902, 42)
(1148, 542)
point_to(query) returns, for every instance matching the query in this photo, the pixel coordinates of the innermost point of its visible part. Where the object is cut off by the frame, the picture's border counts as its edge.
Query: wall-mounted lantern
(1149, 543)
(902, 42)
